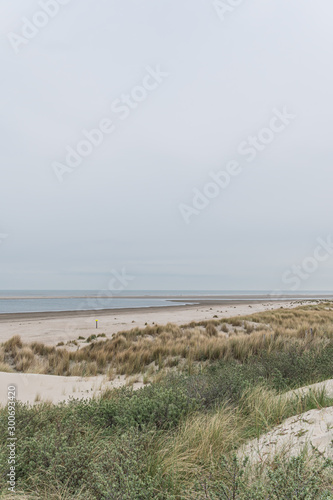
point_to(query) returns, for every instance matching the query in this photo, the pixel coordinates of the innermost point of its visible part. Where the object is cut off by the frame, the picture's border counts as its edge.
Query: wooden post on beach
(96, 323)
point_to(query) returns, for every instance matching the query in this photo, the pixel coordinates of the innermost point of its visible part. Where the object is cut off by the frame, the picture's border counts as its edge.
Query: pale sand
(51, 329)
(311, 429)
(31, 387)
(327, 385)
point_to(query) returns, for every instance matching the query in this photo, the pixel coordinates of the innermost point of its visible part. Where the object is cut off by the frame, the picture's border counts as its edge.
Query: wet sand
(52, 328)
(191, 301)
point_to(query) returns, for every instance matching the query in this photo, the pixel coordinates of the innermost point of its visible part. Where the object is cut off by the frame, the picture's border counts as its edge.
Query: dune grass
(203, 439)
(216, 385)
(158, 442)
(187, 348)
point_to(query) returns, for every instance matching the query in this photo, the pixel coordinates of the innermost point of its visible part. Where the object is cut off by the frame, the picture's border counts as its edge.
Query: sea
(25, 301)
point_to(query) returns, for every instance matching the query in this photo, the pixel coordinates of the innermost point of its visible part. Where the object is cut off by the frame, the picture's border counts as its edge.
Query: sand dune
(51, 330)
(311, 429)
(31, 387)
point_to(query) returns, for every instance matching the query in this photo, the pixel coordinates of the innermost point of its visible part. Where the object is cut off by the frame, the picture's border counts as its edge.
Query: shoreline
(78, 325)
(193, 302)
(55, 327)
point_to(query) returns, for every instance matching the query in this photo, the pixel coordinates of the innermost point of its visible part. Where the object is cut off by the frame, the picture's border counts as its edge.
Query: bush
(111, 447)
(122, 471)
(296, 478)
(160, 405)
(55, 448)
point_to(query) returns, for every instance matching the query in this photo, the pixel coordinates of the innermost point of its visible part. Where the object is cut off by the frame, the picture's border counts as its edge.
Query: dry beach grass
(186, 348)
(215, 386)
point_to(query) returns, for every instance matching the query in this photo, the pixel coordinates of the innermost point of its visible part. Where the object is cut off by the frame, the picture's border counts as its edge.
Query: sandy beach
(52, 328)
(55, 327)
(33, 387)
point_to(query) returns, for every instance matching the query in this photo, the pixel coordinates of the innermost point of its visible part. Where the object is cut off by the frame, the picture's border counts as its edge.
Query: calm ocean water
(74, 300)
(82, 300)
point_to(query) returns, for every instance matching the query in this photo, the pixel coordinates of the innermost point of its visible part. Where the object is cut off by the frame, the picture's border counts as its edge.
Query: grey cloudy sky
(120, 207)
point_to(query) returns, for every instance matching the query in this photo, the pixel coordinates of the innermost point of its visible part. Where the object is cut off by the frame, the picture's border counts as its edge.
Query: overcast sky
(205, 80)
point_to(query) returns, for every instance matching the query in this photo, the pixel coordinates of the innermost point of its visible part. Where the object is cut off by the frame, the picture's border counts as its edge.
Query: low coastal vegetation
(179, 436)
(155, 350)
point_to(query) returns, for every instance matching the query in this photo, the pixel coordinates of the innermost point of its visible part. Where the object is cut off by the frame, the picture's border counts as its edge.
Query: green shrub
(106, 448)
(121, 471)
(159, 405)
(296, 478)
